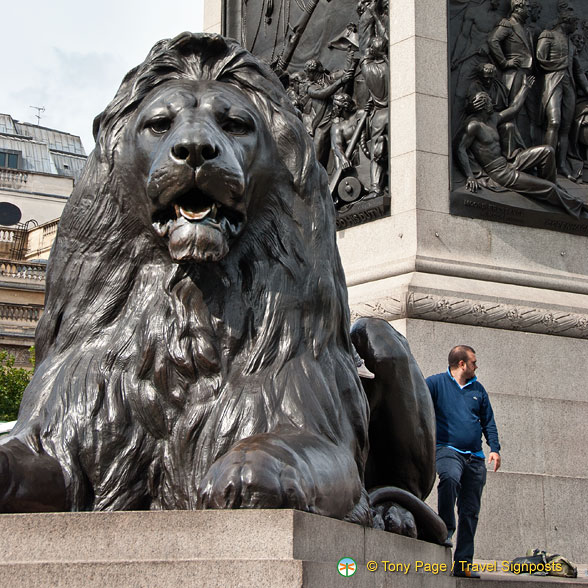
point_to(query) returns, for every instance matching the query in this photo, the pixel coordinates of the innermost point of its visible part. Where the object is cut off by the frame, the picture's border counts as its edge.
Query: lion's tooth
(195, 215)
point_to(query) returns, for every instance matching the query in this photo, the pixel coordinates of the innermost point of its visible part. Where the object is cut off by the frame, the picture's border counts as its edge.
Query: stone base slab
(475, 302)
(223, 548)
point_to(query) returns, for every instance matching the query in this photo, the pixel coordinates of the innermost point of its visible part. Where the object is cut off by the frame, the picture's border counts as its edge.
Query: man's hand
(479, 103)
(472, 185)
(345, 163)
(494, 457)
(348, 75)
(528, 81)
(514, 62)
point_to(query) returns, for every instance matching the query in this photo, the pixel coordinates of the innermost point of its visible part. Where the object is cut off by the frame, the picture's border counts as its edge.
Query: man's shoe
(448, 541)
(363, 372)
(465, 574)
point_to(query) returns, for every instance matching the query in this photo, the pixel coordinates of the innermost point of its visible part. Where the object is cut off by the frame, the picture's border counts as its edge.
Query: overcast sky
(70, 56)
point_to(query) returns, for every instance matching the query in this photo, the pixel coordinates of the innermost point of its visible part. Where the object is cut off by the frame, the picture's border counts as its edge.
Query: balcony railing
(22, 270)
(49, 230)
(30, 313)
(8, 235)
(11, 177)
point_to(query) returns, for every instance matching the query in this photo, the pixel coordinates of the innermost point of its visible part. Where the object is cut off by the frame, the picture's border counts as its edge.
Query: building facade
(38, 169)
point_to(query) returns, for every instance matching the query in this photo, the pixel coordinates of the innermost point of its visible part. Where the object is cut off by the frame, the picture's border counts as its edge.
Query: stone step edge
(111, 562)
(25, 568)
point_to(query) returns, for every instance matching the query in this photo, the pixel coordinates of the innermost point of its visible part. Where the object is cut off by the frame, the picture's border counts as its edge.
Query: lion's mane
(148, 370)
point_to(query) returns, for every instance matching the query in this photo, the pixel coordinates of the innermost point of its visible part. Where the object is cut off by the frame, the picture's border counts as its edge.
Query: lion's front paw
(257, 477)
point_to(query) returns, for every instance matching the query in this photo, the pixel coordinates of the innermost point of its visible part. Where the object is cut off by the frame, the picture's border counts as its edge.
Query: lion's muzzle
(198, 188)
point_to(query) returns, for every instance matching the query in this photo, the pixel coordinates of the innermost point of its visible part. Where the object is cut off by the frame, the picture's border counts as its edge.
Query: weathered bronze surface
(323, 50)
(195, 351)
(519, 150)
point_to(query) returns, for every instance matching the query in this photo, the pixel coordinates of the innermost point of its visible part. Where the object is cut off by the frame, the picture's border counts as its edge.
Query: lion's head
(201, 130)
(202, 152)
(195, 275)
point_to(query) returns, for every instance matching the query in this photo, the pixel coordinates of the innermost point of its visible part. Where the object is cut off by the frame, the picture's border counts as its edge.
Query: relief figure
(557, 56)
(481, 139)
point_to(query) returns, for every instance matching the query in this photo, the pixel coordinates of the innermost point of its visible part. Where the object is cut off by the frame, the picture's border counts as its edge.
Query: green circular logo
(346, 566)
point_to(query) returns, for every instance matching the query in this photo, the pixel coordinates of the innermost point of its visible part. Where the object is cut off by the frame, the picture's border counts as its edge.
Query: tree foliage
(13, 381)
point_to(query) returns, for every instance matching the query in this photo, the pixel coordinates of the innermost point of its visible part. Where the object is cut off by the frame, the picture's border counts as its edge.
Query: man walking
(463, 413)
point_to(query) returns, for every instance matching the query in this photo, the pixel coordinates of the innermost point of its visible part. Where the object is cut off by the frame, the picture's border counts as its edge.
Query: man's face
(578, 41)
(340, 105)
(469, 367)
(377, 48)
(488, 75)
(535, 11)
(569, 24)
(522, 10)
(312, 74)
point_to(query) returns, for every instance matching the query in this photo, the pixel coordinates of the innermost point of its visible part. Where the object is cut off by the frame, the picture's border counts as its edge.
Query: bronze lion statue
(195, 349)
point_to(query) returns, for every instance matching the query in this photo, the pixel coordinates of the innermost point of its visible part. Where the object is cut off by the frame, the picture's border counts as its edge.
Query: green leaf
(13, 381)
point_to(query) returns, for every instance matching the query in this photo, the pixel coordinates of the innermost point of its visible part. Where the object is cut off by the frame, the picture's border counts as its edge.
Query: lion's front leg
(284, 470)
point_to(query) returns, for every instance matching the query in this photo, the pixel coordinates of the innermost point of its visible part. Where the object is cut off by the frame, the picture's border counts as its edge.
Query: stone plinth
(205, 548)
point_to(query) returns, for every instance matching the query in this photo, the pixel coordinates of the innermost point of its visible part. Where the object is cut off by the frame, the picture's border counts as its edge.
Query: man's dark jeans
(461, 478)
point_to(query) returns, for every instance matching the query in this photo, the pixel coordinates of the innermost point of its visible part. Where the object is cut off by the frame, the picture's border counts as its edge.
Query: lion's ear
(96, 125)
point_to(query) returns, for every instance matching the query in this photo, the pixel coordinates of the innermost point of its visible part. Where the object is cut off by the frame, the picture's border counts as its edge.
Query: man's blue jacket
(462, 414)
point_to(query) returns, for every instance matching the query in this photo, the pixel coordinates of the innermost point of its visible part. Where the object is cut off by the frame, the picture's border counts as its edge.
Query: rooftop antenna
(39, 110)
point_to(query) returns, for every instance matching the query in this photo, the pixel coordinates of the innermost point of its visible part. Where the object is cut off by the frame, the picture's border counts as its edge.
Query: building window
(9, 159)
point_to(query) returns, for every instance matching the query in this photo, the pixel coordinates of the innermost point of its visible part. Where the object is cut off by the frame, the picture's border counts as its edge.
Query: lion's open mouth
(198, 227)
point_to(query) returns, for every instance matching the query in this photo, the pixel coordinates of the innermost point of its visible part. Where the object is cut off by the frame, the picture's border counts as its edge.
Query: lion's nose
(195, 153)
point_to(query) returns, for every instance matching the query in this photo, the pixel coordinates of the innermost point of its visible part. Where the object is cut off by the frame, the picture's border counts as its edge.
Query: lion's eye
(159, 125)
(236, 126)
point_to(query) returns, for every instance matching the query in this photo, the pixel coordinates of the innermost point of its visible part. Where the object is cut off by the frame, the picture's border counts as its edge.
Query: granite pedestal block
(261, 548)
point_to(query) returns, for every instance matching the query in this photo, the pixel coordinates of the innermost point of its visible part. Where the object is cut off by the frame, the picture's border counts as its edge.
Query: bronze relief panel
(333, 59)
(519, 112)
